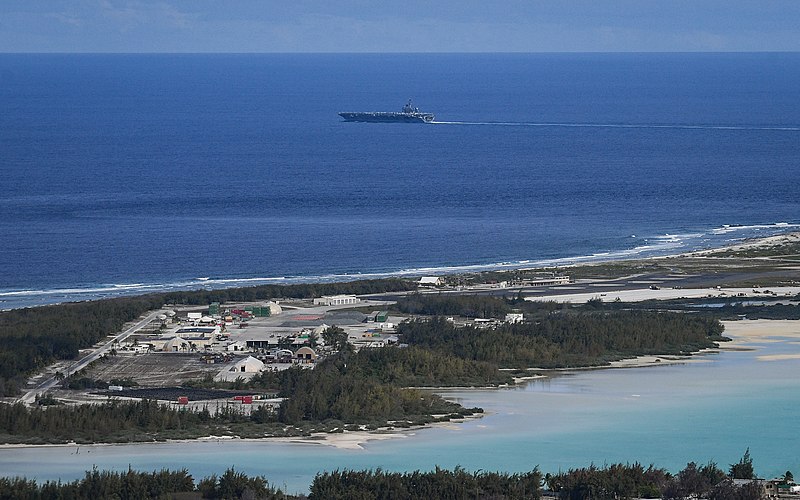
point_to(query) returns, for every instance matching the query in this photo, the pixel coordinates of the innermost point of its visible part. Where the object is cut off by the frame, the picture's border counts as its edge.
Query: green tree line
(629, 481)
(565, 338)
(33, 338)
(116, 421)
(419, 367)
(468, 306)
(439, 483)
(134, 485)
(616, 481)
(475, 306)
(363, 387)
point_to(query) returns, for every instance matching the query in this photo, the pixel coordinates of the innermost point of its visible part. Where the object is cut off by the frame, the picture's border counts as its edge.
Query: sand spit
(347, 440)
(762, 330)
(746, 332)
(778, 357)
(351, 440)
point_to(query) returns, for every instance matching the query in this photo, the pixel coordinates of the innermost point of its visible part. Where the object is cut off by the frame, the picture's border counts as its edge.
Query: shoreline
(741, 341)
(346, 440)
(103, 292)
(791, 237)
(743, 334)
(354, 440)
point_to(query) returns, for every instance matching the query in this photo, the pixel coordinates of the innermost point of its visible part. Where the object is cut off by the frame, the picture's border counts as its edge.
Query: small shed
(306, 355)
(175, 344)
(239, 345)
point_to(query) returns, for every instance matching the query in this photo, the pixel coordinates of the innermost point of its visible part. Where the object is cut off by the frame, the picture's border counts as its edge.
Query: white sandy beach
(769, 241)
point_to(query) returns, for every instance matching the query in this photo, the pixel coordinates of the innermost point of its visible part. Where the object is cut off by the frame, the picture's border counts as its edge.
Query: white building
(431, 281)
(336, 300)
(274, 308)
(198, 331)
(553, 281)
(244, 368)
(247, 365)
(240, 345)
(514, 317)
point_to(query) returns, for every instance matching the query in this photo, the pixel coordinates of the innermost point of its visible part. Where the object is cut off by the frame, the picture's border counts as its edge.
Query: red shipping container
(247, 400)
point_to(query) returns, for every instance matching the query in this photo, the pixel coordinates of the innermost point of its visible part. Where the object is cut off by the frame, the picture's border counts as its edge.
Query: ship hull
(387, 117)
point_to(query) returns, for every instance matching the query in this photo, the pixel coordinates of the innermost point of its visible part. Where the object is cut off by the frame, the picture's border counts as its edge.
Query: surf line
(622, 125)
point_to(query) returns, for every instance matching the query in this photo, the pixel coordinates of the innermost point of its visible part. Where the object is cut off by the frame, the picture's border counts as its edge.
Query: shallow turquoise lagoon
(710, 409)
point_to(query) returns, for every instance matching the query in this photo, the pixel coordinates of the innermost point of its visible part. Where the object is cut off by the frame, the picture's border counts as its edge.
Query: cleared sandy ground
(667, 293)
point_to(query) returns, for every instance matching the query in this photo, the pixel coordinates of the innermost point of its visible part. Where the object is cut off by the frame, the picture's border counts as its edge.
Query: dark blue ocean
(128, 173)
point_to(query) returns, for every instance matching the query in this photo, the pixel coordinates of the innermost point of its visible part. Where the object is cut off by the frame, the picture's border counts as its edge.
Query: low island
(363, 356)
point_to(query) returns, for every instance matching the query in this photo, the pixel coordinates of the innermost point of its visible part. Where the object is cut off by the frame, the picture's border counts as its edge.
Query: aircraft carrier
(409, 114)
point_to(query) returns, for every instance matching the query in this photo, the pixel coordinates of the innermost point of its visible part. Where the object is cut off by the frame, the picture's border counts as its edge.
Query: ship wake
(627, 126)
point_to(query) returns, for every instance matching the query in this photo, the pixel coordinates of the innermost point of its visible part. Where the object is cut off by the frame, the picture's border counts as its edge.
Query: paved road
(51, 382)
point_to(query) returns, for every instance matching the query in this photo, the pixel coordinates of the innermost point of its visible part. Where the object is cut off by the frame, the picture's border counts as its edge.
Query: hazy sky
(408, 26)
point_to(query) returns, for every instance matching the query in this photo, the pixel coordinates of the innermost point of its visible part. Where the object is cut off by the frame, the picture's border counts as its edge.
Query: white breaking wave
(88, 290)
(758, 227)
(654, 245)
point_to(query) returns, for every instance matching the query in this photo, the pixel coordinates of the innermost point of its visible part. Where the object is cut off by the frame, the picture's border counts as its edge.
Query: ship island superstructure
(409, 114)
